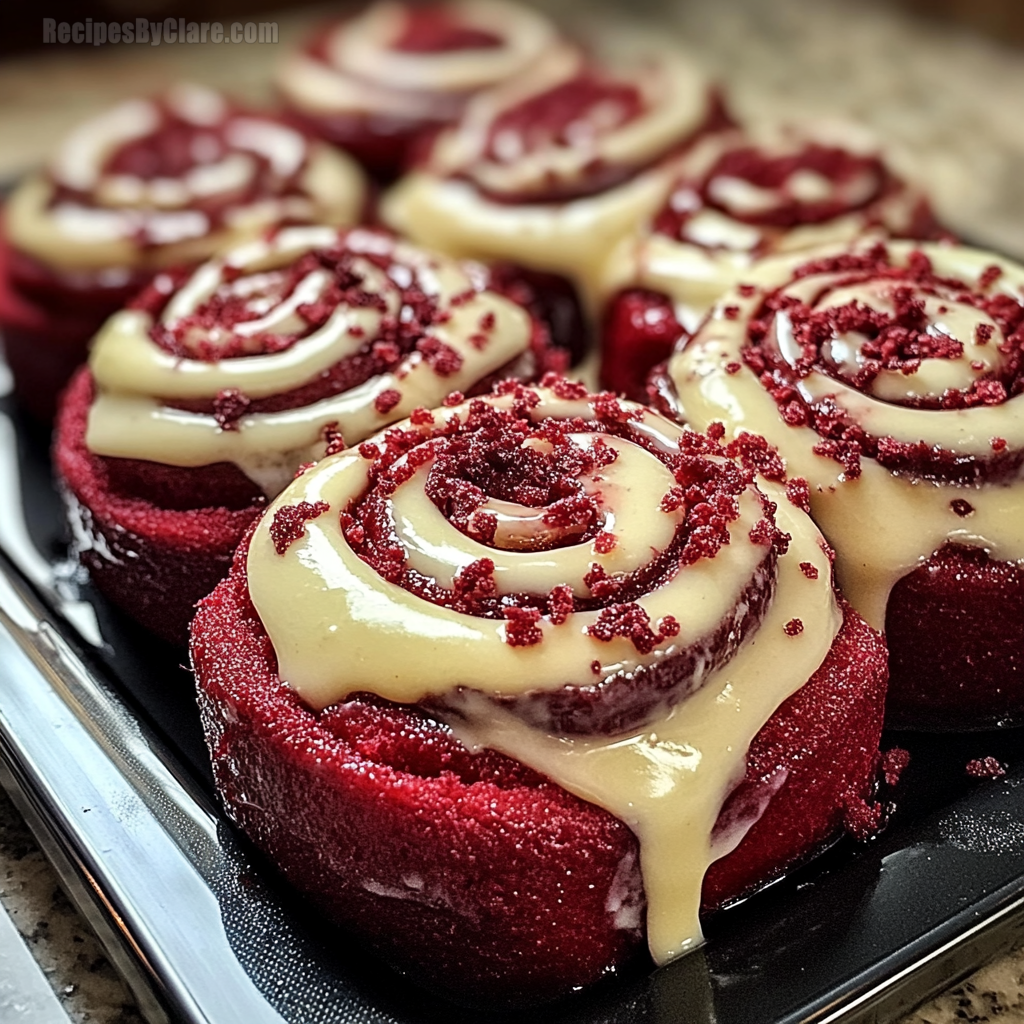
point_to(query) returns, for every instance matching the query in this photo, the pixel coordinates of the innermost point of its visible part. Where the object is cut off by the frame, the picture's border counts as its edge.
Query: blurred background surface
(943, 95)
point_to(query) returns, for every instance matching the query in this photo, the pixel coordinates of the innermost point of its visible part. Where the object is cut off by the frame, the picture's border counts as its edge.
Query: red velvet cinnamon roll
(493, 687)
(553, 168)
(204, 397)
(891, 378)
(147, 185)
(741, 196)
(376, 83)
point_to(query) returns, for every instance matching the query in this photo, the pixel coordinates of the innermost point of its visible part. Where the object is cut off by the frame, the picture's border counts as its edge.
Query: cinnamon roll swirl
(891, 379)
(150, 184)
(214, 387)
(602, 597)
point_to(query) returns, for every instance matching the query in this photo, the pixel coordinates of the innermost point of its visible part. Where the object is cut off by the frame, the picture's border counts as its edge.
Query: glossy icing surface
(154, 182)
(408, 62)
(883, 522)
(291, 322)
(744, 195)
(339, 627)
(555, 167)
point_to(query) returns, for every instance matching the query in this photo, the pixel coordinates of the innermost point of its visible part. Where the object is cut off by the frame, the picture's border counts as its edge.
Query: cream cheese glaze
(339, 627)
(491, 189)
(723, 222)
(251, 170)
(882, 523)
(137, 379)
(360, 69)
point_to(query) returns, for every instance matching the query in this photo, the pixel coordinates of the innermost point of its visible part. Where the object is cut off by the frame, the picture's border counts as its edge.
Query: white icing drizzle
(337, 627)
(100, 224)
(882, 524)
(135, 377)
(365, 74)
(450, 200)
(719, 248)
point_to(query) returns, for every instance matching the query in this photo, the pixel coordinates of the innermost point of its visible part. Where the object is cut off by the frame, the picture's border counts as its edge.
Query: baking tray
(102, 752)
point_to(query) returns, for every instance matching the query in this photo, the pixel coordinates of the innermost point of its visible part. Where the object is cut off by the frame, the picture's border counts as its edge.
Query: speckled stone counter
(947, 104)
(70, 955)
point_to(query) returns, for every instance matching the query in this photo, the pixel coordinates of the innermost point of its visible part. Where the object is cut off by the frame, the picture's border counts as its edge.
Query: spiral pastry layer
(375, 82)
(552, 168)
(741, 196)
(891, 379)
(309, 334)
(568, 579)
(156, 182)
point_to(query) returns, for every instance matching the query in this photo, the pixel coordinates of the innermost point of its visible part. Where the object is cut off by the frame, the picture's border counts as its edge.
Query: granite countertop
(946, 103)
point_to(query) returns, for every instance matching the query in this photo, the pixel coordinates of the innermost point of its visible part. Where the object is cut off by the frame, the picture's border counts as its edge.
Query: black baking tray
(102, 751)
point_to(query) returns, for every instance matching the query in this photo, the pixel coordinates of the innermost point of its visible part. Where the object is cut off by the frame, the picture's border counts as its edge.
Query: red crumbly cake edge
(154, 563)
(475, 875)
(970, 673)
(46, 328)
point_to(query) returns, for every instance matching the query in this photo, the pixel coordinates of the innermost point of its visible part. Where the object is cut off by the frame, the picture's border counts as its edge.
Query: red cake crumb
(442, 358)
(631, 622)
(560, 604)
(668, 625)
(522, 629)
(230, 405)
(568, 390)
(758, 454)
(799, 494)
(793, 628)
(894, 763)
(862, 819)
(985, 768)
(961, 507)
(474, 583)
(809, 570)
(989, 276)
(333, 439)
(289, 522)
(387, 400)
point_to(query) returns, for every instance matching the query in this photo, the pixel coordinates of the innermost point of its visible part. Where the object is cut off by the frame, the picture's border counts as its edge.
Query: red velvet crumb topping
(894, 764)
(289, 522)
(985, 768)
(897, 338)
